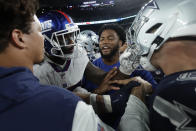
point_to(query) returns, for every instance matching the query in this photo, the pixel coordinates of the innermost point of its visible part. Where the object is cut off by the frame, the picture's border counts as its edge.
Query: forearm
(84, 97)
(100, 103)
(94, 74)
(139, 92)
(120, 76)
(136, 116)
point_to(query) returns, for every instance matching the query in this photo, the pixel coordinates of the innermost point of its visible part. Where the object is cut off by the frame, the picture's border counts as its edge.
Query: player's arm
(115, 102)
(94, 74)
(85, 119)
(135, 118)
(136, 114)
(97, 75)
(100, 103)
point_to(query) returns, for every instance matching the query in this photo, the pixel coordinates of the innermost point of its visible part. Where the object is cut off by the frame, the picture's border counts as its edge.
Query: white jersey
(135, 118)
(48, 76)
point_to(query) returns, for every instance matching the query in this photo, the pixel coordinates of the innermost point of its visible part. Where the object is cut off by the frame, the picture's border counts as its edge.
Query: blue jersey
(99, 63)
(25, 105)
(174, 106)
(113, 119)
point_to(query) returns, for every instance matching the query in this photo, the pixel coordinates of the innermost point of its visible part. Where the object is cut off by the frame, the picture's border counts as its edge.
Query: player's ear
(17, 37)
(120, 43)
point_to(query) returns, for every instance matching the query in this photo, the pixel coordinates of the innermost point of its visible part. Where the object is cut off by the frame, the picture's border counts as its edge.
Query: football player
(164, 31)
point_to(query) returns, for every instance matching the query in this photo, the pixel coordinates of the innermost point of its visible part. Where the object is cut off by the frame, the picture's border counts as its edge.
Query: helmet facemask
(63, 43)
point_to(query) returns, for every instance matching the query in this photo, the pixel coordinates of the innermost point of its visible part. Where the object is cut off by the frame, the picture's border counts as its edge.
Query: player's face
(68, 40)
(109, 43)
(35, 41)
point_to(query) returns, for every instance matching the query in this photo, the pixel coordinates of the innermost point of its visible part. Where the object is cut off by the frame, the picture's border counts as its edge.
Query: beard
(111, 54)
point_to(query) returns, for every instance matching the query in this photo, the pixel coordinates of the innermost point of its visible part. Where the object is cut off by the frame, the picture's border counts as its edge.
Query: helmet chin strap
(61, 66)
(145, 61)
(66, 58)
(62, 55)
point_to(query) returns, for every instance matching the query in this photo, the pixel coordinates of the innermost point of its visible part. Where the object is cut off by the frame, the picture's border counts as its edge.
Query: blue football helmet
(60, 34)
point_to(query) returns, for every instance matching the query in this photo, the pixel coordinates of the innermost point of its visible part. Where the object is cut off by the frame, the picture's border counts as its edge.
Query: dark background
(105, 11)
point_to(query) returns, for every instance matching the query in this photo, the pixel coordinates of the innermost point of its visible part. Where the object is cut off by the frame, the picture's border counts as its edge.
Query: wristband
(107, 103)
(93, 101)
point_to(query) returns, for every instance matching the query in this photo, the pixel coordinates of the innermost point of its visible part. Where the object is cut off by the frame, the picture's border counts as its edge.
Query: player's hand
(145, 84)
(105, 86)
(119, 98)
(117, 101)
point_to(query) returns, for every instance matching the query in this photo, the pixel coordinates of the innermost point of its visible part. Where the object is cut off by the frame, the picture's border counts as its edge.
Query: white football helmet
(89, 40)
(158, 21)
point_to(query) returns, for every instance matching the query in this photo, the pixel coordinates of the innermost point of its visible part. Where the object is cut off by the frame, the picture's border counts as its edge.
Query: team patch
(100, 128)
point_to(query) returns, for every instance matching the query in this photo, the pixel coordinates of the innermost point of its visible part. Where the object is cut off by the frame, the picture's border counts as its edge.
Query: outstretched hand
(119, 98)
(106, 86)
(139, 91)
(145, 84)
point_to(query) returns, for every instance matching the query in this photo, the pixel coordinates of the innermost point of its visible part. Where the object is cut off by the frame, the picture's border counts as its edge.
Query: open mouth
(105, 48)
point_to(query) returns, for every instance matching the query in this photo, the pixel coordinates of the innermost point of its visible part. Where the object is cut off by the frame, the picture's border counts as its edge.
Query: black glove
(119, 98)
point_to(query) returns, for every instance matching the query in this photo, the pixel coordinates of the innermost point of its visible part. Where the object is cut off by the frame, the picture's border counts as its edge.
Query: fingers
(148, 89)
(110, 74)
(144, 84)
(121, 82)
(104, 86)
(126, 81)
(104, 89)
(137, 78)
(114, 88)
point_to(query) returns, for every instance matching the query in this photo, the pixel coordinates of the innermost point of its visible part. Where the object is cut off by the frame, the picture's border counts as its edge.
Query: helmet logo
(152, 4)
(67, 26)
(46, 25)
(71, 27)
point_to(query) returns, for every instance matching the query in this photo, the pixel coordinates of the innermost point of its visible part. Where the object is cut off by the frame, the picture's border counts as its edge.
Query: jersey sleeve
(77, 67)
(46, 75)
(136, 116)
(85, 119)
(40, 73)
